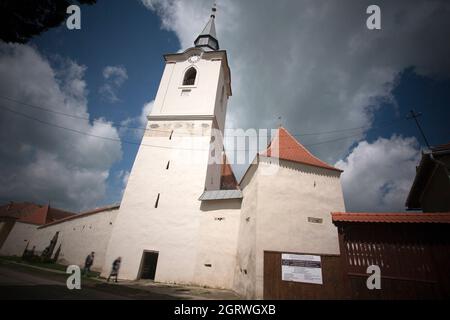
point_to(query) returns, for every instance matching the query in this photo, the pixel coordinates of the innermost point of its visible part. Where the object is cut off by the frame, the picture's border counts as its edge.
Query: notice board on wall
(301, 268)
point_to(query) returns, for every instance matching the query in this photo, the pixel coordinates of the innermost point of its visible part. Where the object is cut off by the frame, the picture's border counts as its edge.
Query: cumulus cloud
(114, 77)
(378, 176)
(40, 162)
(139, 122)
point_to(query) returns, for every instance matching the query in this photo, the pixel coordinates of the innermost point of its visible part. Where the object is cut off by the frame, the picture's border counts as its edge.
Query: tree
(23, 19)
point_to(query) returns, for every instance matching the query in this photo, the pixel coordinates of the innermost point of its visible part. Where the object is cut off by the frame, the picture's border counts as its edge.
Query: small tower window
(157, 201)
(221, 98)
(189, 77)
(222, 94)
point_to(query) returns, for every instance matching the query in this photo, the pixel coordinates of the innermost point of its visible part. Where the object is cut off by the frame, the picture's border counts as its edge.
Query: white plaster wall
(17, 239)
(284, 201)
(214, 171)
(78, 237)
(202, 98)
(245, 269)
(180, 229)
(218, 233)
(177, 228)
(205, 98)
(171, 229)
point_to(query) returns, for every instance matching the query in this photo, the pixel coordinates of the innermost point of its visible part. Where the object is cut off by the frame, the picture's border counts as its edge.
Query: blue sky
(142, 44)
(429, 96)
(336, 75)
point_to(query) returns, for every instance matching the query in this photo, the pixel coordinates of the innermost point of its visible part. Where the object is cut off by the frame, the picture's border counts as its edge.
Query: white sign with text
(301, 268)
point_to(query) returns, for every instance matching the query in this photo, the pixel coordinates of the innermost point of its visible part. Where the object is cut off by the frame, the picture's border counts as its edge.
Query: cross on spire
(414, 115)
(207, 39)
(213, 10)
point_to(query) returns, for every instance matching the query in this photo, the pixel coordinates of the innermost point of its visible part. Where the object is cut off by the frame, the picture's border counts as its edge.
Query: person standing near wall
(115, 269)
(88, 263)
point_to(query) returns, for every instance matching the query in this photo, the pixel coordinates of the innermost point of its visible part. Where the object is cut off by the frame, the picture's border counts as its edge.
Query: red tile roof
(227, 180)
(391, 217)
(284, 146)
(441, 147)
(81, 215)
(32, 213)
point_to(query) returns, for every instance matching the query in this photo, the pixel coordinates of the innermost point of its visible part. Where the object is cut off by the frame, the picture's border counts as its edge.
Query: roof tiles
(284, 146)
(227, 179)
(32, 213)
(391, 217)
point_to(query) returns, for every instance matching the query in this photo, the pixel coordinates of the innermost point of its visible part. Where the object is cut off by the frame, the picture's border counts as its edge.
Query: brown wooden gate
(333, 280)
(414, 260)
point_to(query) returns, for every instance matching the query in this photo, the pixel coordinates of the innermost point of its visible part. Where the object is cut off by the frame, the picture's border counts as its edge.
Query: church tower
(158, 230)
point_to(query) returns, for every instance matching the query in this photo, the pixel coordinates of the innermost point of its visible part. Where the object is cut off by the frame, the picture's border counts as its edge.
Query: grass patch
(44, 265)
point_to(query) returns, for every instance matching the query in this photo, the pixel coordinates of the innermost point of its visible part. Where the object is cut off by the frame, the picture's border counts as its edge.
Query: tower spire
(208, 38)
(213, 10)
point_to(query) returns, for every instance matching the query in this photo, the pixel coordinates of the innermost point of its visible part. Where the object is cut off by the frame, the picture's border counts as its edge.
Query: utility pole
(413, 115)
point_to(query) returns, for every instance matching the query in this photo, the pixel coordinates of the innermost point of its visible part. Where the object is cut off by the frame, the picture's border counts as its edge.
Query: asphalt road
(18, 282)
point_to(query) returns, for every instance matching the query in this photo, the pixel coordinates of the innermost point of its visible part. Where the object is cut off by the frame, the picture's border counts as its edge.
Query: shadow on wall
(46, 255)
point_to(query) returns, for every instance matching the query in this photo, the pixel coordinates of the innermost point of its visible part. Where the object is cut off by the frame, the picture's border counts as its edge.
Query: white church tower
(162, 231)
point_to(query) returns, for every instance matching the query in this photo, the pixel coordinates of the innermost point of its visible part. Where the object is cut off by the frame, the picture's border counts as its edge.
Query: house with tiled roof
(430, 191)
(28, 226)
(411, 249)
(33, 213)
(19, 221)
(288, 195)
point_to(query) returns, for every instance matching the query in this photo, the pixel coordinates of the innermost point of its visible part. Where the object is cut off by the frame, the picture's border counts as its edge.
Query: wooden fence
(414, 260)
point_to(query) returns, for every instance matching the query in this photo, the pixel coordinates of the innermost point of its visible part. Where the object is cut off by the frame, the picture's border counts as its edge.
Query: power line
(72, 115)
(143, 144)
(51, 110)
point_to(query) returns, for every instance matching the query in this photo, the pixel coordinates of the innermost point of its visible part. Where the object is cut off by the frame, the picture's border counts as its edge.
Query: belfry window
(189, 77)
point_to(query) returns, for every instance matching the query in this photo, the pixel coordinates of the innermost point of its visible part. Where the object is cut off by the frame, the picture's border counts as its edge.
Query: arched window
(189, 77)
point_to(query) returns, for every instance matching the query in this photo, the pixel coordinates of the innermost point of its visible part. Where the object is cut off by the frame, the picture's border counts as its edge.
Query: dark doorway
(148, 267)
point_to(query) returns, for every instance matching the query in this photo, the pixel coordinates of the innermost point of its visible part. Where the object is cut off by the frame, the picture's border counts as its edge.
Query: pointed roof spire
(208, 38)
(284, 146)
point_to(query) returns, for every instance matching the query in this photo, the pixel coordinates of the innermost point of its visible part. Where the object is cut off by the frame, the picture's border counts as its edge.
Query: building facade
(184, 218)
(179, 222)
(33, 227)
(430, 191)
